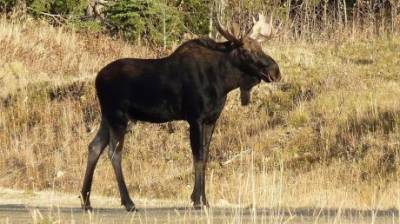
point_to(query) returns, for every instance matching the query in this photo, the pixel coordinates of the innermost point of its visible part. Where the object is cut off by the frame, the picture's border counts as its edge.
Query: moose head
(255, 64)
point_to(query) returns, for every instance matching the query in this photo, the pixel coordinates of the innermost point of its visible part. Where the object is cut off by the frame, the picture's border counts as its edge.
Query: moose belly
(156, 113)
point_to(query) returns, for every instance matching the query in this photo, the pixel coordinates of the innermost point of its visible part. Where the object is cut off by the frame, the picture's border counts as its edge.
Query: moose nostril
(276, 73)
(276, 77)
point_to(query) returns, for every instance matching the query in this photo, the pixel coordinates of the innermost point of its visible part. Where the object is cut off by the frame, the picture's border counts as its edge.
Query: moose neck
(232, 75)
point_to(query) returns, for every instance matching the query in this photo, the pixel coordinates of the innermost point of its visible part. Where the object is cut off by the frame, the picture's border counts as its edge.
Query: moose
(191, 84)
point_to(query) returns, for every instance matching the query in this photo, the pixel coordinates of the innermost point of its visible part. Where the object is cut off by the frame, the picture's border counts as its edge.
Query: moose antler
(262, 30)
(225, 33)
(248, 30)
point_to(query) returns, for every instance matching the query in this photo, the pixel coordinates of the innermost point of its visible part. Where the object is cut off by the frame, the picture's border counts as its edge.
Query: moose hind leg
(115, 155)
(96, 147)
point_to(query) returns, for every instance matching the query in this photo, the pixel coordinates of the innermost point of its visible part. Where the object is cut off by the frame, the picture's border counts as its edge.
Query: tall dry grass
(320, 19)
(328, 135)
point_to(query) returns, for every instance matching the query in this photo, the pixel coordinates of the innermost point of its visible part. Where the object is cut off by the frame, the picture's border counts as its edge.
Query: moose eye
(247, 55)
(261, 64)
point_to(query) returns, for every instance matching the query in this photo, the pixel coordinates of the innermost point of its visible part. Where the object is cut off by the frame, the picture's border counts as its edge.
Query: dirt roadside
(53, 207)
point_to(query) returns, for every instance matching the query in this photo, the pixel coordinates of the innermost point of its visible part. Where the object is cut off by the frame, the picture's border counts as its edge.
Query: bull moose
(191, 84)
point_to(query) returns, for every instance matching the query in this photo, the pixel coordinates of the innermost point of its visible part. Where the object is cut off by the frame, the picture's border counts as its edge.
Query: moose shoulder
(191, 84)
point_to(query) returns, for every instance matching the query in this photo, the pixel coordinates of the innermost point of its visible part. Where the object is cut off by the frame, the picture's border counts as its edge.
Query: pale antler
(262, 30)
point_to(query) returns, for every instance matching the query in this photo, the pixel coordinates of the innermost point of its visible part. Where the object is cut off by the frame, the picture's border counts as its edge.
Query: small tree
(154, 21)
(58, 7)
(12, 5)
(196, 15)
(68, 7)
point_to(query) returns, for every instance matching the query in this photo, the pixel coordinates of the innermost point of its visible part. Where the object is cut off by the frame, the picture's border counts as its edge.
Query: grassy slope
(328, 135)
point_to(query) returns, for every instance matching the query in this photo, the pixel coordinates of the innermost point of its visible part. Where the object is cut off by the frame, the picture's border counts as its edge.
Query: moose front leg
(200, 138)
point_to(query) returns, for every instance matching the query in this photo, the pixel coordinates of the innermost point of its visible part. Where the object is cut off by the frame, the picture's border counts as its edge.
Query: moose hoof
(198, 206)
(130, 207)
(87, 208)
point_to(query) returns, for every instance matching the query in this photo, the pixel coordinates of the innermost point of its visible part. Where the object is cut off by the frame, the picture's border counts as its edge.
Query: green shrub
(67, 7)
(7, 5)
(59, 7)
(196, 15)
(154, 21)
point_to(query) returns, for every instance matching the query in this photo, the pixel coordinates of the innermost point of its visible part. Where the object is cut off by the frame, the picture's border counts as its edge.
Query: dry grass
(327, 136)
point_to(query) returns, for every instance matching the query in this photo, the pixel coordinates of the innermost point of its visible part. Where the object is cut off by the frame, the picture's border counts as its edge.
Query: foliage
(59, 7)
(154, 21)
(68, 6)
(7, 5)
(165, 21)
(196, 15)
